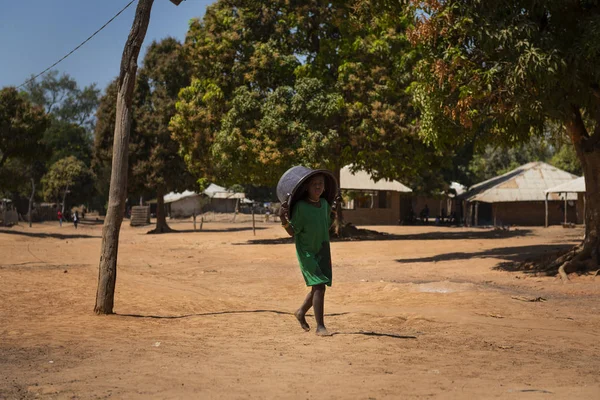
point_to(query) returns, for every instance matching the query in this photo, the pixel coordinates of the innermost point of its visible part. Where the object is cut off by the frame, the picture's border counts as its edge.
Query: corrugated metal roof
(361, 180)
(529, 182)
(213, 191)
(173, 196)
(574, 186)
(459, 188)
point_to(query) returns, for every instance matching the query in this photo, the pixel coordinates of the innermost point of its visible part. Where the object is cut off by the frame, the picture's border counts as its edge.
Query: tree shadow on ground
(379, 236)
(218, 313)
(43, 235)
(365, 333)
(240, 229)
(514, 256)
(90, 222)
(370, 333)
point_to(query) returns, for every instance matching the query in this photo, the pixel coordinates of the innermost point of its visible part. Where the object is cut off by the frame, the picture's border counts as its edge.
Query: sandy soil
(430, 313)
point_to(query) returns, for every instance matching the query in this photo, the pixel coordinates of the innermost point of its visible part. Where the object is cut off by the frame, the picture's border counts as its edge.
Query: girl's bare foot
(322, 331)
(302, 319)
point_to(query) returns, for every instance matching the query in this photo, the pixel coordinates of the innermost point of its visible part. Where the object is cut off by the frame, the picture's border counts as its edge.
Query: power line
(76, 48)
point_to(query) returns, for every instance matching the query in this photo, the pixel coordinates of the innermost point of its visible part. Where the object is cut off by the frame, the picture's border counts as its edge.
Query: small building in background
(577, 187)
(215, 198)
(518, 197)
(184, 205)
(367, 202)
(222, 200)
(444, 204)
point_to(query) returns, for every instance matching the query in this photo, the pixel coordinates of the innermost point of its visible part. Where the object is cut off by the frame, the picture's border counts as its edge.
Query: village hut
(214, 198)
(183, 205)
(518, 196)
(223, 200)
(576, 186)
(385, 202)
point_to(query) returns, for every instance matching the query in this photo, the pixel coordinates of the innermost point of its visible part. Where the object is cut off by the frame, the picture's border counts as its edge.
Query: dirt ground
(429, 313)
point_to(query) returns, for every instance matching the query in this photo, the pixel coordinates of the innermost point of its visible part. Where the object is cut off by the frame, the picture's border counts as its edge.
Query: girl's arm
(284, 211)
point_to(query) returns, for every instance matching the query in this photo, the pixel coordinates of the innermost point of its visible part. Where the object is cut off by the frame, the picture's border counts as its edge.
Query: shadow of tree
(48, 235)
(379, 236)
(370, 333)
(365, 333)
(90, 222)
(237, 229)
(514, 256)
(218, 313)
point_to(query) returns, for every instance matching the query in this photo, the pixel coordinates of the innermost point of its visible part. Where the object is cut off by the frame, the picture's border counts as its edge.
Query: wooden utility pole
(107, 271)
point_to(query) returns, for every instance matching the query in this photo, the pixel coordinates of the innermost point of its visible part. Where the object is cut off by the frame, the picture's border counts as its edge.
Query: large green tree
(22, 126)
(155, 165)
(22, 151)
(314, 83)
(502, 72)
(67, 175)
(72, 114)
(61, 96)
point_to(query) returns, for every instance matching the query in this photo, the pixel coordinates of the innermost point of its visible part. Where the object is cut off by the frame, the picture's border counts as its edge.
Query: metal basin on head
(291, 184)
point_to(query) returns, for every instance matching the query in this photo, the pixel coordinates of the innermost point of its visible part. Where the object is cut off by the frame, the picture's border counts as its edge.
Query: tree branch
(3, 159)
(576, 127)
(596, 91)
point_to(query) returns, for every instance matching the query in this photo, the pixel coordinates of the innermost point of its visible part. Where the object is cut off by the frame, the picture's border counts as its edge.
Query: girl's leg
(301, 312)
(319, 307)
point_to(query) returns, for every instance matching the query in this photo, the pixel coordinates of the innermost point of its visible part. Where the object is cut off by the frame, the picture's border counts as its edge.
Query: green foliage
(71, 116)
(299, 82)
(62, 98)
(21, 127)
(156, 163)
(63, 139)
(566, 159)
(496, 160)
(498, 73)
(154, 160)
(103, 141)
(67, 175)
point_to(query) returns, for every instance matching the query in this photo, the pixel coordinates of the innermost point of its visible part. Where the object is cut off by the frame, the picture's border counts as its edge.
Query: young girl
(312, 217)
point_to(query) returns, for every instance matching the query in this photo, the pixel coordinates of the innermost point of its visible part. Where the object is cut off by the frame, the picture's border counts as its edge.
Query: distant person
(75, 219)
(425, 214)
(453, 218)
(60, 217)
(312, 218)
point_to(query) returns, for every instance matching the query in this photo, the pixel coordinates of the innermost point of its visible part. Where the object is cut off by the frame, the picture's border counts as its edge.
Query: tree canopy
(499, 74)
(291, 83)
(155, 165)
(67, 175)
(61, 97)
(22, 126)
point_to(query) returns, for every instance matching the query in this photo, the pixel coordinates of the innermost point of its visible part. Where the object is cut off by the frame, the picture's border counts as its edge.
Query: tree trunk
(586, 256)
(31, 200)
(161, 214)
(107, 271)
(339, 219)
(64, 200)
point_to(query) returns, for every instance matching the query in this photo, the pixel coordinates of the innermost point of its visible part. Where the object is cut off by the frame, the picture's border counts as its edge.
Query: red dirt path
(208, 315)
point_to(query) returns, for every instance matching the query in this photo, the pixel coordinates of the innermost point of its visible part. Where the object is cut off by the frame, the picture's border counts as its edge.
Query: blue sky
(36, 33)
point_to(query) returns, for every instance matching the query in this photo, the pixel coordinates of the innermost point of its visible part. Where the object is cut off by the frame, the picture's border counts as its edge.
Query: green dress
(311, 233)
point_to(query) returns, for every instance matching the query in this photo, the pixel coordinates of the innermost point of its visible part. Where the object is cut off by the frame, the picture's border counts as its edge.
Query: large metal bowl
(290, 184)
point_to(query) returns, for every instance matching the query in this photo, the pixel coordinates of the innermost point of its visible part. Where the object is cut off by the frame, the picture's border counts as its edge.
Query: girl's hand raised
(284, 211)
